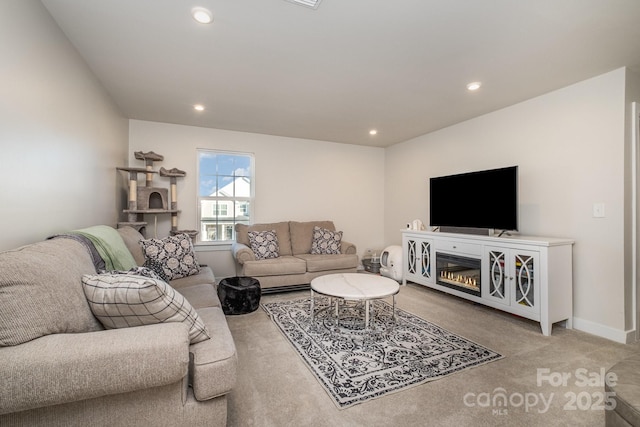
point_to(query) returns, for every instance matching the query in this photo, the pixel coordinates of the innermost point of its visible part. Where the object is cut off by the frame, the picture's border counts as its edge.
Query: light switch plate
(598, 210)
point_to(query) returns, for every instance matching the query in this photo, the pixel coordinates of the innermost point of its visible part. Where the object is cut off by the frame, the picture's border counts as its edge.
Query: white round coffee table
(354, 287)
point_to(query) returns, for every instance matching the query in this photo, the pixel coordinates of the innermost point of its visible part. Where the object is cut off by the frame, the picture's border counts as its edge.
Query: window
(225, 193)
(221, 209)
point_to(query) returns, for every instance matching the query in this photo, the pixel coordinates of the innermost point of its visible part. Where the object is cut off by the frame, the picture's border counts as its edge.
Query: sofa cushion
(175, 253)
(325, 241)
(201, 296)
(213, 363)
(302, 234)
(123, 300)
(41, 292)
(281, 228)
(275, 267)
(264, 244)
(205, 275)
(131, 238)
(329, 262)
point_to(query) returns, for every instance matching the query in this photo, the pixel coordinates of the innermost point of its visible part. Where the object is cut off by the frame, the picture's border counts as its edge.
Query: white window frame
(218, 210)
(200, 198)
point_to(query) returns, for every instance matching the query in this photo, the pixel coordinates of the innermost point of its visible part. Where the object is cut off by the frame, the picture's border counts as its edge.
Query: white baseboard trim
(593, 328)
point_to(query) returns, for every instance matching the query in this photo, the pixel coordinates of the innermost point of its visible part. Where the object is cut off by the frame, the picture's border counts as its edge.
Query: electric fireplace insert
(458, 272)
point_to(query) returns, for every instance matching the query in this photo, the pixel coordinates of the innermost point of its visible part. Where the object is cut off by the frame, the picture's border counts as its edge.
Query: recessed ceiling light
(202, 15)
(198, 107)
(373, 132)
(474, 86)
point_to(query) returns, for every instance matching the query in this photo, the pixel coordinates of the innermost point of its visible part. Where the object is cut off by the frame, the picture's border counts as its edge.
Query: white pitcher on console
(417, 225)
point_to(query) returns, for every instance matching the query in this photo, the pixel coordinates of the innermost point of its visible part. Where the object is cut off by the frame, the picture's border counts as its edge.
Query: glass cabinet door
(509, 277)
(425, 259)
(418, 260)
(412, 257)
(498, 276)
(526, 288)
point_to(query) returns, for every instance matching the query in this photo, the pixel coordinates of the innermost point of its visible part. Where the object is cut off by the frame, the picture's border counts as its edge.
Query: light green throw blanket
(110, 246)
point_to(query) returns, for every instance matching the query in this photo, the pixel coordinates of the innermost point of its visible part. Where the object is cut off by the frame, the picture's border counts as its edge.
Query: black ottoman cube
(239, 295)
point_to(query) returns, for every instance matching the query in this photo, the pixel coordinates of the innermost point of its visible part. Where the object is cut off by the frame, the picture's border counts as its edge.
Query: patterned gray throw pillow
(326, 242)
(264, 244)
(126, 300)
(137, 271)
(155, 267)
(174, 253)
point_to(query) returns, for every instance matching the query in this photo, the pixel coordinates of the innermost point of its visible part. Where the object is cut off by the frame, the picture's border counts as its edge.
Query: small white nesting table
(353, 287)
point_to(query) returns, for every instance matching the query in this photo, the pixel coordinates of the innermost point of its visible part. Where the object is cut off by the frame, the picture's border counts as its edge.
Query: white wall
(569, 146)
(296, 179)
(60, 134)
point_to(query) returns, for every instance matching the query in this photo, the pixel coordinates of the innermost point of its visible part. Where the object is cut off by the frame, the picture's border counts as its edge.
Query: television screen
(484, 199)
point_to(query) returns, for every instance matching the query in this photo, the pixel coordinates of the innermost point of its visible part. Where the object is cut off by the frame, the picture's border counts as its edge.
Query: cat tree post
(173, 174)
(134, 218)
(133, 195)
(133, 190)
(148, 158)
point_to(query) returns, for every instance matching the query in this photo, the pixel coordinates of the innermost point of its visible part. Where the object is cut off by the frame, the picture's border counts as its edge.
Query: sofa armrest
(347, 248)
(242, 253)
(63, 368)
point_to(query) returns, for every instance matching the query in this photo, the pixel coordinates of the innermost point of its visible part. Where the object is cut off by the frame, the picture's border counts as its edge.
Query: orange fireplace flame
(464, 280)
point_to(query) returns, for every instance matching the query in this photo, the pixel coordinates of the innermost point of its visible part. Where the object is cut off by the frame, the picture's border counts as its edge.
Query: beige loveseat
(60, 367)
(295, 266)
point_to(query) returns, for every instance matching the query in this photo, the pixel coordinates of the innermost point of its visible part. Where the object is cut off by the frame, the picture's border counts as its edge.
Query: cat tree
(150, 199)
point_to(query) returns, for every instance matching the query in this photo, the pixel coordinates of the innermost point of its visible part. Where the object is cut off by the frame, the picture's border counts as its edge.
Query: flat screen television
(482, 199)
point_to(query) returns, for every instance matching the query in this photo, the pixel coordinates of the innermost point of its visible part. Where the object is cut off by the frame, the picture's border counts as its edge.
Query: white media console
(527, 276)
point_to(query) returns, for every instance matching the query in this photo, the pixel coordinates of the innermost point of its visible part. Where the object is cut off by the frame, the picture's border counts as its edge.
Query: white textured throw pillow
(124, 300)
(264, 244)
(326, 241)
(174, 253)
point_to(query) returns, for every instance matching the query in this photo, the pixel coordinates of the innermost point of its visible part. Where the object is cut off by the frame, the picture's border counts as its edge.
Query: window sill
(212, 246)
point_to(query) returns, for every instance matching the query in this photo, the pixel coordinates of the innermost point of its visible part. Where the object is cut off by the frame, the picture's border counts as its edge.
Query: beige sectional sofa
(60, 367)
(295, 266)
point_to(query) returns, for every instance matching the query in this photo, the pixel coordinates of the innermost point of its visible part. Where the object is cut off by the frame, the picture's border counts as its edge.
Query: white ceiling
(399, 66)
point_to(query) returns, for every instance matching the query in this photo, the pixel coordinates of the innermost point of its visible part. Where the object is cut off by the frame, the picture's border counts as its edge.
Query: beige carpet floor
(275, 388)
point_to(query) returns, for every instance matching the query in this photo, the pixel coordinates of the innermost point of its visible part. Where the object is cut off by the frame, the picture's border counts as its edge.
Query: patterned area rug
(355, 365)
